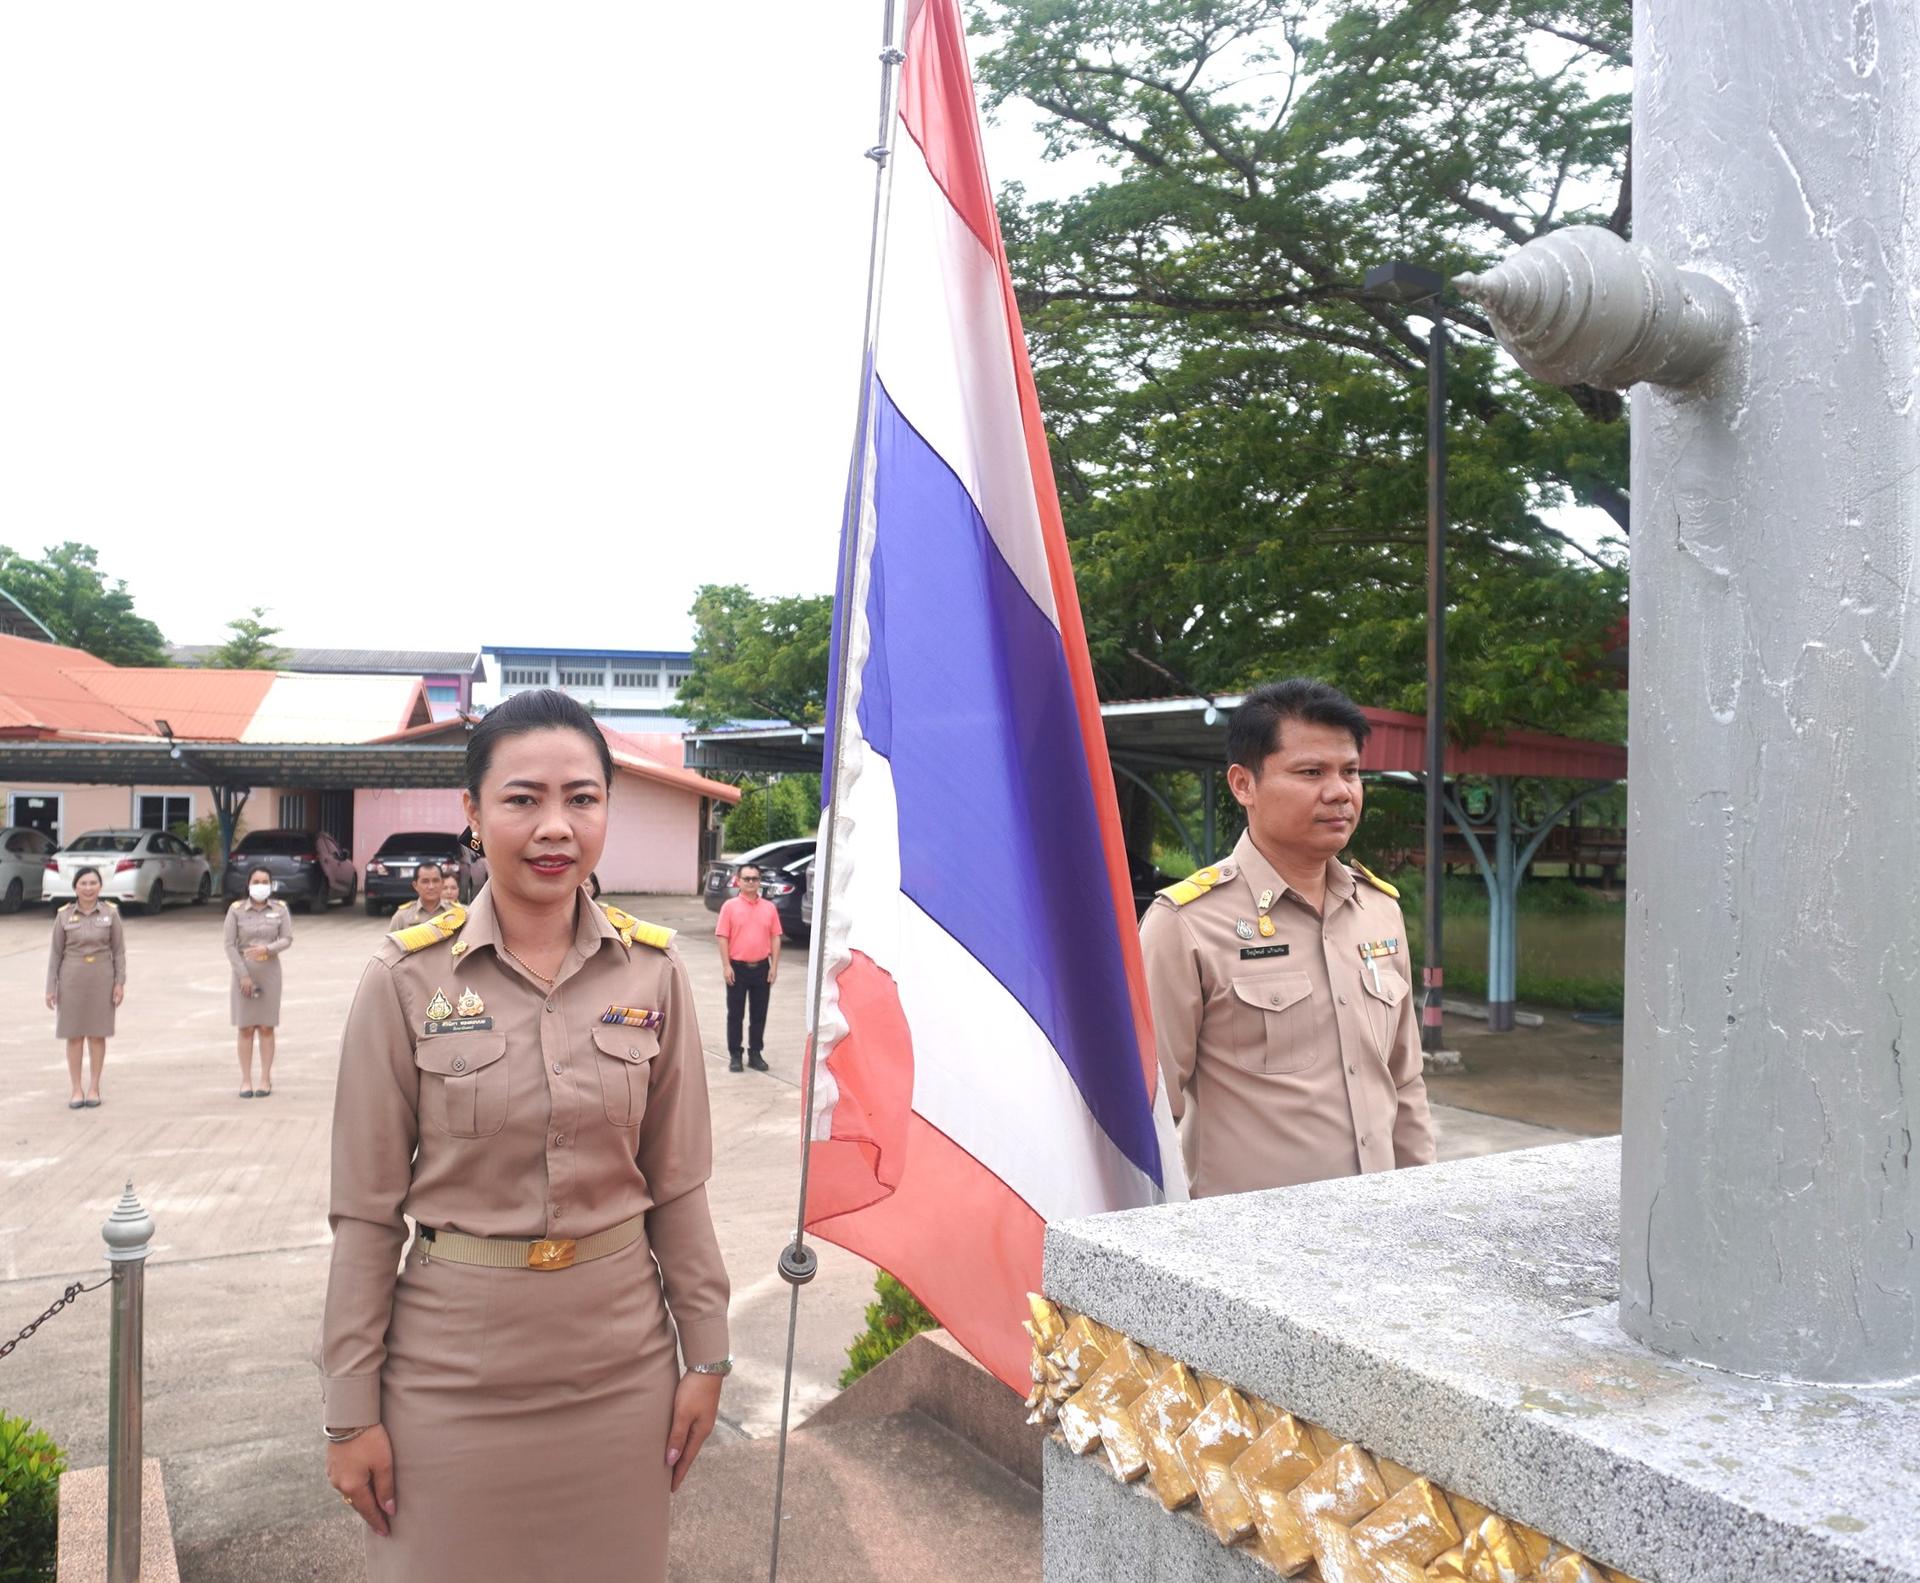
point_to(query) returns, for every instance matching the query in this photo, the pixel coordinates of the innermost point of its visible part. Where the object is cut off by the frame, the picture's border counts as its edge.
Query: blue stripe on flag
(966, 693)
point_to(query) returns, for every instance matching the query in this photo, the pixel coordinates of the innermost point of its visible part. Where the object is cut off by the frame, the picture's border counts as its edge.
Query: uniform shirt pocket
(1274, 1026)
(624, 1057)
(463, 1082)
(1383, 1008)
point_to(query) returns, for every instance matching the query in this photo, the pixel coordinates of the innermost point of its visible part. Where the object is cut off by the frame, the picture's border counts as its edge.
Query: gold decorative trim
(1307, 1503)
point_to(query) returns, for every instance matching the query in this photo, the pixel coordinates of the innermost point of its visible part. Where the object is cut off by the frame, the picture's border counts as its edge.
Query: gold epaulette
(1375, 880)
(630, 929)
(441, 926)
(1194, 886)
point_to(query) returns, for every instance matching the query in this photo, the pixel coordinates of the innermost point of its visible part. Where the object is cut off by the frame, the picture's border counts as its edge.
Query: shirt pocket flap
(1392, 988)
(631, 1045)
(1273, 991)
(457, 1054)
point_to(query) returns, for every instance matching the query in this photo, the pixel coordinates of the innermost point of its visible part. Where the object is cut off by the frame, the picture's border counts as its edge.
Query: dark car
(390, 870)
(719, 887)
(786, 888)
(309, 867)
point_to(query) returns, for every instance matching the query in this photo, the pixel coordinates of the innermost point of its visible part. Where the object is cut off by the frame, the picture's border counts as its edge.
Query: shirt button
(459, 1063)
(559, 1140)
(1276, 1000)
(1343, 1000)
(549, 1005)
(1366, 1140)
(1353, 1069)
(558, 1067)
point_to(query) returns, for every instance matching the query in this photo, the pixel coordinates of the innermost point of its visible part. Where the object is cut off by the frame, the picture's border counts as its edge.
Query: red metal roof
(1399, 742)
(205, 706)
(45, 691)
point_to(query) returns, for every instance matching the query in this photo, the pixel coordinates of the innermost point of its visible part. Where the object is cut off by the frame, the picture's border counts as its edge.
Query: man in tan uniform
(429, 889)
(1283, 1004)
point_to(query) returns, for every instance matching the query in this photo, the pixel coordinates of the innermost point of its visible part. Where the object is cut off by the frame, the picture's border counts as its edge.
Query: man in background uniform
(429, 886)
(1283, 1004)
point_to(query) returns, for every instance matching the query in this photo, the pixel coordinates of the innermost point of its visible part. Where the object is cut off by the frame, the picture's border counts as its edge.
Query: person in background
(258, 930)
(86, 981)
(748, 931)
(430, 886)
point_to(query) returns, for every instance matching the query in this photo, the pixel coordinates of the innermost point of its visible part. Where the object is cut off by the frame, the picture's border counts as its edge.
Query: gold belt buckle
(550, 1253)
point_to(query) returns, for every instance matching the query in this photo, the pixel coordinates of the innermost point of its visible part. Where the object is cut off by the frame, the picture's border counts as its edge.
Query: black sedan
(309, 868)
(390, 871)
(719, 888)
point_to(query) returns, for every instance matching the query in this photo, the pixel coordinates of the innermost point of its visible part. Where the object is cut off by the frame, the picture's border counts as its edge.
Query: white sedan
(23, 865)
(144, 868)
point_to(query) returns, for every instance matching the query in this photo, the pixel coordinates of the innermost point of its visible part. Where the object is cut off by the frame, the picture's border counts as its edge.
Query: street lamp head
(1402, 282)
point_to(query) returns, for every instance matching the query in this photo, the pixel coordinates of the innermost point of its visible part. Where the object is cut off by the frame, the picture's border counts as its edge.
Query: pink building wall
(378, 814)
(86, 807)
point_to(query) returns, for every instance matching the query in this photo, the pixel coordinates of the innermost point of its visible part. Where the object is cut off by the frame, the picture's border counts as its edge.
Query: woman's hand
(696, 1404)
(119, 993)
(52, 1001)
(362, 1471)
(258, 953)
(246, 984)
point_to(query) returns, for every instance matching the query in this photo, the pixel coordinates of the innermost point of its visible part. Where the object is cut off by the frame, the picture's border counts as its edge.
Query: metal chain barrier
(73, 1291)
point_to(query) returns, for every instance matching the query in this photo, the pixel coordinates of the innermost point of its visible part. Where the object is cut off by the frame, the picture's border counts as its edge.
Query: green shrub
(203, 835)
(747, 824)
(891, 1323)
(30, 1469)
(795, 807)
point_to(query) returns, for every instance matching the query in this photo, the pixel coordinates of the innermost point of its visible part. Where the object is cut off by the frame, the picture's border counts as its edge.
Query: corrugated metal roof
(43, 690)
(214, 706)
(356, 662)
(18, 621)
(321, 709)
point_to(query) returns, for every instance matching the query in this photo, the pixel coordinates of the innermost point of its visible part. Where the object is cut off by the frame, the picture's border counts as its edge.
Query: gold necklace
(528, 966)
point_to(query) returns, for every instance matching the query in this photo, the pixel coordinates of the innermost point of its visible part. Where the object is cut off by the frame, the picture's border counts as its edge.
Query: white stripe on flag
(946, 360)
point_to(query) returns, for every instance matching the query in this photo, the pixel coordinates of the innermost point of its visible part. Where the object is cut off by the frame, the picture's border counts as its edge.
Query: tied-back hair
(1254, 730)
(81, 874)
(542, 709)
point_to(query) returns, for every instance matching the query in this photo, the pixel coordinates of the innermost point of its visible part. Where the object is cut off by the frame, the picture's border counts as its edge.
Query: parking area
(238, 1192)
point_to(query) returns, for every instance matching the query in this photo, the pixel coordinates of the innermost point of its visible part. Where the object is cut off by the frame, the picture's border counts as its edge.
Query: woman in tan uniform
(525, 1081)
(86, 981)
(258, 930)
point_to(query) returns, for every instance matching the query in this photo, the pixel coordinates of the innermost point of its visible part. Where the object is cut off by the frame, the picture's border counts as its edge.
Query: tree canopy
(251, 648)
(80, 606)
(757, 659)
(1238, 430)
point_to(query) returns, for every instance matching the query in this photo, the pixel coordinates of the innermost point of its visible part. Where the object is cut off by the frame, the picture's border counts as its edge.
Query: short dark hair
(542, 709)
(83, 873)
(759, 872)
(424, 866)
(257, 869)
(1254, 730)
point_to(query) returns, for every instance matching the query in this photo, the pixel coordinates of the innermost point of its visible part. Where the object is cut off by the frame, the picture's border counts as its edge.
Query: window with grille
(583, 678)
(636, 678)
(293, 810)
(676, 680)
(523, 676)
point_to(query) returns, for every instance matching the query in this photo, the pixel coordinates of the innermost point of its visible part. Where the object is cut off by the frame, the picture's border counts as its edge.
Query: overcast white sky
(531, 317)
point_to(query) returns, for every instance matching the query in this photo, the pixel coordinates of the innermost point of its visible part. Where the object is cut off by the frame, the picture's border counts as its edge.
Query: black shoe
(757, 1064)
(733, 1065)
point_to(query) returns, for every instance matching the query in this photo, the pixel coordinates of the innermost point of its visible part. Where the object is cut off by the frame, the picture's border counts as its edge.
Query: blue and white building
(631, 689)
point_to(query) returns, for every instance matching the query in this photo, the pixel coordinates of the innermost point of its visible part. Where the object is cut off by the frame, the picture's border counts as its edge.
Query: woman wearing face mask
(86, 981)
(258, 930)
(526, 1083)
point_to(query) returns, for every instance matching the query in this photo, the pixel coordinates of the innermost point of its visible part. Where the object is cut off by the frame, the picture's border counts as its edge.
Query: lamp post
(1408, 284)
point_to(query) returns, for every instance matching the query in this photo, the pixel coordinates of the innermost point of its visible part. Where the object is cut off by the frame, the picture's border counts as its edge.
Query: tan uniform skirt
(85, 1008)
(262, 1010)
(529, 1415)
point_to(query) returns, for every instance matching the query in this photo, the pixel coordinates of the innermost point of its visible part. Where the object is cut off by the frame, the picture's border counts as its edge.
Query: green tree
(1238, 430)
(757, 659)
(251, 648)
(66, 589)
(747, 824)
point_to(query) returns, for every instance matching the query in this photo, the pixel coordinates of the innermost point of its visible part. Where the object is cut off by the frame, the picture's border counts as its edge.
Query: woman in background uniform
(525, 1081)
(86, 981)
(258, 930)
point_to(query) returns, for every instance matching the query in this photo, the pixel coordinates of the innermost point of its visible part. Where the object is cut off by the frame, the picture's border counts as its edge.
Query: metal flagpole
(798, 1262)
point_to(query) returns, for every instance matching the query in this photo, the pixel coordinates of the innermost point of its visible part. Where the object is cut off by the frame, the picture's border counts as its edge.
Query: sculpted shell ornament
(1305, 1502)
(1581, 306)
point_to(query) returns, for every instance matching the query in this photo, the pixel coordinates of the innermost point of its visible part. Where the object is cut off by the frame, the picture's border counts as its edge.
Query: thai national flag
(987, 1061)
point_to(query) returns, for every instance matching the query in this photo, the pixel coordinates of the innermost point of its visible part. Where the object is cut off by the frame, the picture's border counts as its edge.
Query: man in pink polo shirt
(749, 937)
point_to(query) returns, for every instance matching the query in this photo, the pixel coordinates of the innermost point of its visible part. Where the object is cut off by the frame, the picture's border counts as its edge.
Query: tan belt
(510, 1253)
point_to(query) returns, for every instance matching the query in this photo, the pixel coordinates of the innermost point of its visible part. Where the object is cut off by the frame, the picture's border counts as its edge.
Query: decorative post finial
(128, 1230)
(1581, 306)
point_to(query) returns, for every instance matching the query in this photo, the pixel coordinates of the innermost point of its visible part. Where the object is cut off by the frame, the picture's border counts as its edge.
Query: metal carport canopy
(317, 767)
(1191, 734)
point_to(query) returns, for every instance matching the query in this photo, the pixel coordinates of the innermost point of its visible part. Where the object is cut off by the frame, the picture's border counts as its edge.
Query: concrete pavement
(238, 1191)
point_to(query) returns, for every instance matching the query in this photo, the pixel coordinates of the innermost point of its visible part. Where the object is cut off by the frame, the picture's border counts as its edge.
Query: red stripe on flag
(896, 1190)
(938, 112)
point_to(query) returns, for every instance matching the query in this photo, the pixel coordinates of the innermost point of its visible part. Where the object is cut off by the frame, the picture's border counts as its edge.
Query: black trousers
(747, 993)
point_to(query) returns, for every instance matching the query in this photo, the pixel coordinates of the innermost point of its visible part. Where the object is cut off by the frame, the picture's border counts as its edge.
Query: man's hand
(362, 1471)
(729, 974)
